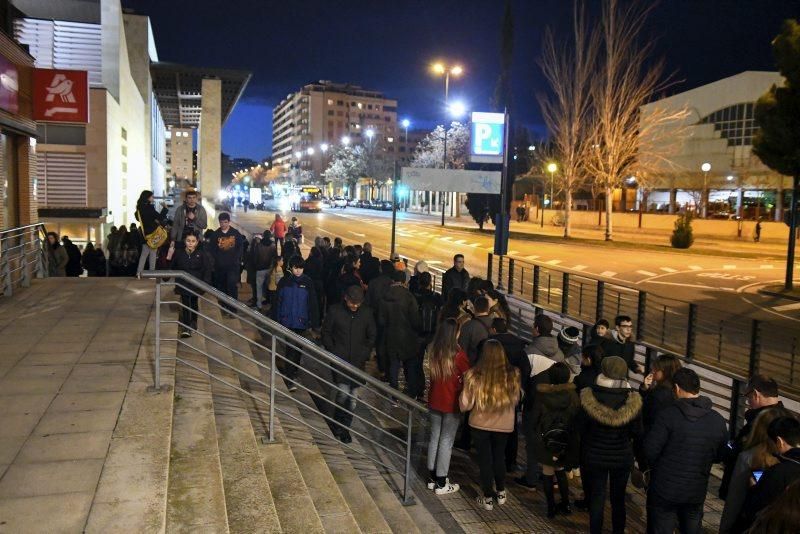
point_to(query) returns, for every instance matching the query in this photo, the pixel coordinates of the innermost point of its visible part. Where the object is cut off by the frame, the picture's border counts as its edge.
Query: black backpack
(555, 432)
(428, 314)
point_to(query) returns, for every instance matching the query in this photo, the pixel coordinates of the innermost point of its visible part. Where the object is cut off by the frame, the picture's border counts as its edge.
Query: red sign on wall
(61, 95)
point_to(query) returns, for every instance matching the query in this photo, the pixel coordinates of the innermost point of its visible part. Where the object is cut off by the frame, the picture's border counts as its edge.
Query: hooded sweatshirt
(685, 440)
(546, 346)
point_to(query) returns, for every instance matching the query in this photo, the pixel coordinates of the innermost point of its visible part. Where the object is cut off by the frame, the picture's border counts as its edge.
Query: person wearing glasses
(620, 343)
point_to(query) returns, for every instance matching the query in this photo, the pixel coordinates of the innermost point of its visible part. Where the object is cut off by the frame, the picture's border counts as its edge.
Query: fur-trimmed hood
(601, 412)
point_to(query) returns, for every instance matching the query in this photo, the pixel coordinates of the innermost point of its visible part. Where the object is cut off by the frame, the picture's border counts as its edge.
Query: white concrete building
(718, 131)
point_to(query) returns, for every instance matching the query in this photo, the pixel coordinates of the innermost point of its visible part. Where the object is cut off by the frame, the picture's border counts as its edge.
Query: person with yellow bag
(152, 226)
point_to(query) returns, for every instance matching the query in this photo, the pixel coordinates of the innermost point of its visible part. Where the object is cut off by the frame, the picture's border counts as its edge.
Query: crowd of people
(570, 395)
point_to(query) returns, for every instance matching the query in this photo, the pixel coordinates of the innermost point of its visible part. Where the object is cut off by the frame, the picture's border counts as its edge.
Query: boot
(563, 488)
(547, 483)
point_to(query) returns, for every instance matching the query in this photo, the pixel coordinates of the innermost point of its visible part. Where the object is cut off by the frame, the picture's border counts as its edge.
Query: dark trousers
(293, 357)
(664, 516)
(188, 313)
(532, 468)
(595, 481)
(512, 446)
(412, 368)
(227, 281)
(380, 350)
(491, 448)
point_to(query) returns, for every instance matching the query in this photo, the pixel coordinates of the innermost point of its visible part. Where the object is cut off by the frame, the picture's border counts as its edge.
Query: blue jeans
(261, 277)
(663, 516)
(440, 446)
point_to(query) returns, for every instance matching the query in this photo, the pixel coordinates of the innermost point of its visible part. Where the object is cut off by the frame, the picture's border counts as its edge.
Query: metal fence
(22, 256)
(319, 375)
(731, 344)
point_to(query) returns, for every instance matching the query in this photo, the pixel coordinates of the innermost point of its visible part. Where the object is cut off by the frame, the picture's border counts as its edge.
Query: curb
(780, 294)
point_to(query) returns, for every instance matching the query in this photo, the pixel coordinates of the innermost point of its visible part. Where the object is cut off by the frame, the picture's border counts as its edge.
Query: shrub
(682, 233)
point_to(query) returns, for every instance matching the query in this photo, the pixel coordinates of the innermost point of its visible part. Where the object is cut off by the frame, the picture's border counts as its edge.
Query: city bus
(306, 198)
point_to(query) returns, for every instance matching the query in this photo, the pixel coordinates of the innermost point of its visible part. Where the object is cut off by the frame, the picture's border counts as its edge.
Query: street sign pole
(394, 206)
(793, 223)
(502, 220)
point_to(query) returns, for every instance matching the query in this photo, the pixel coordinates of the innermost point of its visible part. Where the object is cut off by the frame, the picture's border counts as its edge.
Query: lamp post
(705, 167)
(455, 70)
(551, 168)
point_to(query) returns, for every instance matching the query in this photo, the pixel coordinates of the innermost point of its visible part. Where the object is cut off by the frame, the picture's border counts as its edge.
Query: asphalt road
(728, 284)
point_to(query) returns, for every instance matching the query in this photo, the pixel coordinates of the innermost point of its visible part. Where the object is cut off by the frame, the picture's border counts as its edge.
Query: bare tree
(627, 141)
(567, 111)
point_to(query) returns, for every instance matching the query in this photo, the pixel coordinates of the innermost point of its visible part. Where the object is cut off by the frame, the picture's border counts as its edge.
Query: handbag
(156, 238)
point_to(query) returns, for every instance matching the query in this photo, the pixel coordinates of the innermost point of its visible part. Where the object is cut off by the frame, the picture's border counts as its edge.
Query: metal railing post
(536, 275)
(691, 331)
(5, 269)
(600, 307)
(733, 416)
(489, 265)
(564, 292)
(25, 280)
(755, 347)
(157, 381)
(499, 284)
(640, 314)
(272, 360)
(649, 354)
(510, 287)
(407, 499)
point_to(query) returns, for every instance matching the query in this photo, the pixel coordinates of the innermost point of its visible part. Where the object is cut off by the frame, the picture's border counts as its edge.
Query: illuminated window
(330, 102)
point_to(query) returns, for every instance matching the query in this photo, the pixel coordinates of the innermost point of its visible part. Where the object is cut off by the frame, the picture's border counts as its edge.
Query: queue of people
(571, 398)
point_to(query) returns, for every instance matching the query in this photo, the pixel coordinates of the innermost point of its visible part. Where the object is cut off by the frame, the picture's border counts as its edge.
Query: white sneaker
(431, 485)
(447, 488)
(486, 503)
(501, 497)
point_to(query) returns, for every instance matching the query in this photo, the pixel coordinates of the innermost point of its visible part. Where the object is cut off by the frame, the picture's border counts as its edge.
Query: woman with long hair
(150, 220)
(456, 307)
(758, 455)
(656, 389)
(447, 363)
(491, 393)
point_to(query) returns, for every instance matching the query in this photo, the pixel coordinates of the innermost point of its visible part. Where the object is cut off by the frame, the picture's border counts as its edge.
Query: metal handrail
(397, 446)
(16, 247)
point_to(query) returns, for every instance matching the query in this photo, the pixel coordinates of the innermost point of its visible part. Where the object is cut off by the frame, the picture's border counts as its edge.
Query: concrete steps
(196, 495)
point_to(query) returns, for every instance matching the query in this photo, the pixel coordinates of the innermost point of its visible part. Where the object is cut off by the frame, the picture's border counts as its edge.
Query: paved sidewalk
(67, 353)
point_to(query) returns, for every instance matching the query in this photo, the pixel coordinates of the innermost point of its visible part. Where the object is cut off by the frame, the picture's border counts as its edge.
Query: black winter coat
(626, 351)
(686, 439)
(773, 483)
(376, 290)
(610, 426)
(453, 278)
(399, 317)
(586, 378)
(556, 403)
(370, 267)
(655, 399)
(350, 335)
(149, 218)
(197, 264)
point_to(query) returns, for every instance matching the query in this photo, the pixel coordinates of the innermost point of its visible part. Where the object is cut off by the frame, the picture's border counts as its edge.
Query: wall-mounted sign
(61, 95)
(9, 86)
(487, 139)
(420, 179)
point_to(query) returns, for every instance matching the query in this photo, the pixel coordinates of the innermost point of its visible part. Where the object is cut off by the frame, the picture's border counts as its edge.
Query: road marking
(646, 273)
(446, 238)
(695, 268)
(579, 267)
(728, 267)
(474, 245)
(489, 249)
(608, 274)
(513, 252)
(432, 262)
(553, 262)
(357, 234)
(669, 269)
(787, 307)
(459, 241)
(767, 266)
(531, 257)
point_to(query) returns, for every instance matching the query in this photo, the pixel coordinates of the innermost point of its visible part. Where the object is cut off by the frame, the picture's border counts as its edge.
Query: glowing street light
(324, 147)
(370, 133)
(346, 140)
(455, 70)
(310, 151)
(457, 109)
(705, 167)
(406, 123)
(298, 154)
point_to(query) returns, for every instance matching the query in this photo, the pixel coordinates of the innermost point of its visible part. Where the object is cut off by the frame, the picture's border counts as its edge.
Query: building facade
(90, 175)
(712, 164)
(308, 123)
(180, 163)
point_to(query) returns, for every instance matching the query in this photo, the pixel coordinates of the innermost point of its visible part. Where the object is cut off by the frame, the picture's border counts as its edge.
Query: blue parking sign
(486, 144)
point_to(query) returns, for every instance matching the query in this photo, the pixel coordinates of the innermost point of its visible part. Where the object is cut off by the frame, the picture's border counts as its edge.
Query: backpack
(293, 308)
(428, 314)
(555, 433)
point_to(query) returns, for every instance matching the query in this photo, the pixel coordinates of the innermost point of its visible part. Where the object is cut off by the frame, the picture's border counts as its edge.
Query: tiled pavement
(67, 353)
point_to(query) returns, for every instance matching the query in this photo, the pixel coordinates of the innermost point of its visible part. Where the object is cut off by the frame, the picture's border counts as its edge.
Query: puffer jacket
(610, 424)
(350, 335)
(399, 317)
(556, 403)
(686, 439)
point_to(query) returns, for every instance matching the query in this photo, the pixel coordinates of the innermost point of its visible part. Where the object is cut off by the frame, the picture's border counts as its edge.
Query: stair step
(196, 494)
(249, 501)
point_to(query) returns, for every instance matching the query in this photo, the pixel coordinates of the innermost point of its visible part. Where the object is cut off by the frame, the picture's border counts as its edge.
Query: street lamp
(310, 151)
(551, 168)
(457, 109)
(455, 70)
(346, 140)
(370, 133)
(324, 147)
(705, 167)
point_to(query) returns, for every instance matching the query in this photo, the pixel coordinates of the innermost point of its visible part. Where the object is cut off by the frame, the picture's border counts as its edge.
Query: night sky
(388, 46)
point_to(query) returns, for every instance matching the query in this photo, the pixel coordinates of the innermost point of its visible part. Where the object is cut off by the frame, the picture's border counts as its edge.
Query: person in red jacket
(278, 230)
(448, 363)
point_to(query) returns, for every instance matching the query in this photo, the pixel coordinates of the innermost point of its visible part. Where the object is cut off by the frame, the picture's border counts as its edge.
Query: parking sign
(486, 144)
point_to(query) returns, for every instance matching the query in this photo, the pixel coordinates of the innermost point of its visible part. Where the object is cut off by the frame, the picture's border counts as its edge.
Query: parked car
(383, 205)
(339, 202)
(365, 204)
(353, 202)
